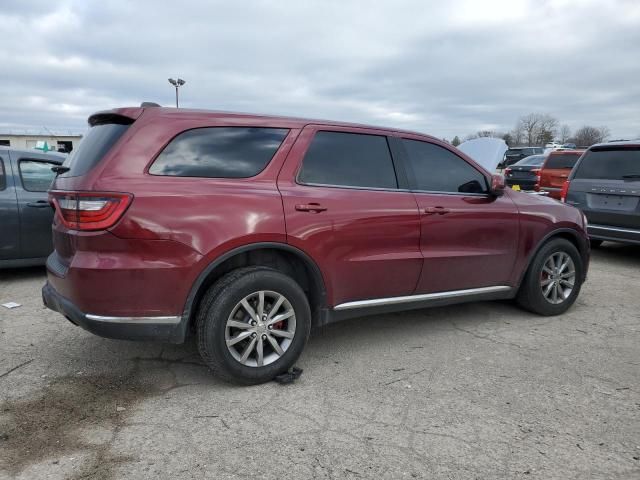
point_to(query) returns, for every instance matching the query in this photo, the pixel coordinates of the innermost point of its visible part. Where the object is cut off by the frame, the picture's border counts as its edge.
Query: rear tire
(554, 278)
(237, 335)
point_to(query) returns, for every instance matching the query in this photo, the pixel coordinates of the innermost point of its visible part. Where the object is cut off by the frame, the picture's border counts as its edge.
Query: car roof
(618, 143)
(245, 119)
(568, 151)
(55, 155)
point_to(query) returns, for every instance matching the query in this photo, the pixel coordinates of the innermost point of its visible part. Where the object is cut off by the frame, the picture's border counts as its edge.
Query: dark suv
(247, 229)
(605, 185)
(516, 154)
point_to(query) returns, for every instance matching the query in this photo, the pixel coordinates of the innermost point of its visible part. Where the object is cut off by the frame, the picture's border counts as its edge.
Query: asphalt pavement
(475, 391)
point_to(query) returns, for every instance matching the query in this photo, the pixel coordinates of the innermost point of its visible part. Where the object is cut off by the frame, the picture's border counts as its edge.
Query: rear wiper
(635, 175)
(59, 169)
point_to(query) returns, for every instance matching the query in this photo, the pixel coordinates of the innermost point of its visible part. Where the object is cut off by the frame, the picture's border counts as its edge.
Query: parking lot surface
(482, 390)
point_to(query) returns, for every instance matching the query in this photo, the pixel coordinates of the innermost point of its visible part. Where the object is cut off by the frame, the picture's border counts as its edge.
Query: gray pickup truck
(25, 213)
(605, 185)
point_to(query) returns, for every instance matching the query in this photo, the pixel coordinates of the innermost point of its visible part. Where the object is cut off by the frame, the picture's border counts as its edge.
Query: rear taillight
(536, 172)
(564, 191)
(89, 211)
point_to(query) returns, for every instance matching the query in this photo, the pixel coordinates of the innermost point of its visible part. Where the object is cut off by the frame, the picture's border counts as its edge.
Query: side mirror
(497, 184)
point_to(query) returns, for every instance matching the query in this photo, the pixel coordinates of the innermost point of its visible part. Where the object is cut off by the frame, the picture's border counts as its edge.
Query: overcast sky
(439, 67)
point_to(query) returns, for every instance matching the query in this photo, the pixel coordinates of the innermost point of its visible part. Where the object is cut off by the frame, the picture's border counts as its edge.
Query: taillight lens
(536, 172)
(89, 211)
(564, 191)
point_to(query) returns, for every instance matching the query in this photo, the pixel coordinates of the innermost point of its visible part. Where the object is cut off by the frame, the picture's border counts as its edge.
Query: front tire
(554, 278)
(252, 325)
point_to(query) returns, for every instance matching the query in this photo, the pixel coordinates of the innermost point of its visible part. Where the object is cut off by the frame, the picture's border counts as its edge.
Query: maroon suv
(248, 229)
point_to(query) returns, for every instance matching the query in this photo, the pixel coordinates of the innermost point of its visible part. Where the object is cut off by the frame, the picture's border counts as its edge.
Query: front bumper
(163, 329)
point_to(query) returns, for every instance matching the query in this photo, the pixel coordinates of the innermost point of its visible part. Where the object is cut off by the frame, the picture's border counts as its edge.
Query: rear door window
(219, 152)
(349, 160)
(436, 169)
(36, 175)
(95, 144)
(610, 164)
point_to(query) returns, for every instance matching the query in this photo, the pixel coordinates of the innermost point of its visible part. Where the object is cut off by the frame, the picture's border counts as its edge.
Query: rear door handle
(436, 210)
(39, 204)
(310, 207)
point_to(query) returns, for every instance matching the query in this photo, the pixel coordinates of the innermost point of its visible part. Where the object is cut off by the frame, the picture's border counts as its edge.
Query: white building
(26, 140)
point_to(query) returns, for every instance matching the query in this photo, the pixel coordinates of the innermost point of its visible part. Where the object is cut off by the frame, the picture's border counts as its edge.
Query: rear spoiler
(122, 116)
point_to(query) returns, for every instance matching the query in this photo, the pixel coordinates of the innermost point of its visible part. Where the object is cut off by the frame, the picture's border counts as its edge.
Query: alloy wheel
(260, 328)
(557, 277)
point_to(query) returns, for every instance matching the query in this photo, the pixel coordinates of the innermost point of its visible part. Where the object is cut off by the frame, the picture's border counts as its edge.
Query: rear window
(95, 144)
(510, 152)
(564, 160)
(532, 160)
(219, 152)
(610, 164)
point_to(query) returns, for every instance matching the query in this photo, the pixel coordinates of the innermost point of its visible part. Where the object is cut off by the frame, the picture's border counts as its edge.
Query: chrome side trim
(613, 229)
(551, 189)
(140, 320)
(378, 302)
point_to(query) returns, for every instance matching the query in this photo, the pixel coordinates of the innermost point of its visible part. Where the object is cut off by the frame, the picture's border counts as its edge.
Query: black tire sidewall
(213, 340)
(536, 300)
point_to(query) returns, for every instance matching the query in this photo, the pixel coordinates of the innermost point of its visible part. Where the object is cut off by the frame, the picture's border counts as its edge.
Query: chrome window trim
(378, 302)
(139, 320)
(613, 229)
(351, 187)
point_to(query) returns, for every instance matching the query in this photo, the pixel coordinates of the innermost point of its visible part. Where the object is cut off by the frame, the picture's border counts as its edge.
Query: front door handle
(39, 204)
(310, 207)
(436, 210)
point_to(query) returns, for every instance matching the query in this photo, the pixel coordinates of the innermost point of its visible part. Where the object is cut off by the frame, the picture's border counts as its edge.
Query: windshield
(532, 160)
(610, 164)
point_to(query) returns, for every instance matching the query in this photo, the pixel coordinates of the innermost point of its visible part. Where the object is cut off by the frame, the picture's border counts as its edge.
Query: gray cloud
(443, 68)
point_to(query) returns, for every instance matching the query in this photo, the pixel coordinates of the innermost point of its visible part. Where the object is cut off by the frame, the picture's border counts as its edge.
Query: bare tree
(528, 125)
(588, 135)
(536, 128)
(564, 134)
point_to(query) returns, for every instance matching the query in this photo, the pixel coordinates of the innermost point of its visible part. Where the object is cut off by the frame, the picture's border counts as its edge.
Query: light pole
(177, 83)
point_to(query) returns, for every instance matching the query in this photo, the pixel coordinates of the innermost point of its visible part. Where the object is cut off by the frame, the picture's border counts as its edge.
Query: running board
(422, 298)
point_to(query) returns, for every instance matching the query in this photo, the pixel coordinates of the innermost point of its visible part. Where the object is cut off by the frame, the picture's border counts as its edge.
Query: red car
(555, 170)
(248, 229)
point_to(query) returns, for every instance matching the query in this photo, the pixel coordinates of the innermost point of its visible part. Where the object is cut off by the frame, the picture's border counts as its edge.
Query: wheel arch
(283, 257)
(568, 234)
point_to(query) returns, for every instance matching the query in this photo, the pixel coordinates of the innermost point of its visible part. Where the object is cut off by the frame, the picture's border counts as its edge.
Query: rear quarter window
(610, 164)
(219, 152)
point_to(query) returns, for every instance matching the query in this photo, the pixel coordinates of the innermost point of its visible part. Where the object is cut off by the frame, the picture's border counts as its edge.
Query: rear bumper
(525, 184)
(614, 234)
(164, 329)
